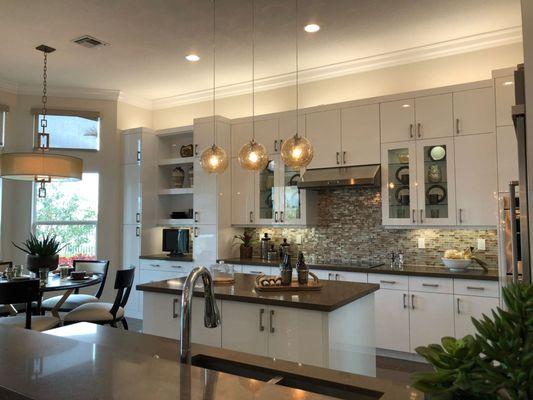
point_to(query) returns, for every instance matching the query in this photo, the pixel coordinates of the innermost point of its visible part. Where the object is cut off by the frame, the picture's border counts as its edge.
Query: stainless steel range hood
(363, 175)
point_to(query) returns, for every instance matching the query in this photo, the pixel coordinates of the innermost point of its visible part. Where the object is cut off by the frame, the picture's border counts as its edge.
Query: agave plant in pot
(41, 252)
(246, 240)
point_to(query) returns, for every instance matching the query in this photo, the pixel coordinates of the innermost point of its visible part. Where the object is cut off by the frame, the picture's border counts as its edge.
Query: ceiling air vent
(90, 42)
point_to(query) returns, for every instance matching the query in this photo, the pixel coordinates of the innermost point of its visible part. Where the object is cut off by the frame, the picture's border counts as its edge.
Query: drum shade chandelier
(214, 159)
(297, 152)
(41, 166)
(253, 155)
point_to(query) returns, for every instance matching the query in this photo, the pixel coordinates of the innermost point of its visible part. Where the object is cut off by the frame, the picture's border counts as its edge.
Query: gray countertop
(333, 295)
(167, 257)
(89, 362)
(413, 270)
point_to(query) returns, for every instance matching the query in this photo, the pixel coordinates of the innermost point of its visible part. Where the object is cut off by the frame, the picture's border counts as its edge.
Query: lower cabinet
(468, 307)
(392, 320)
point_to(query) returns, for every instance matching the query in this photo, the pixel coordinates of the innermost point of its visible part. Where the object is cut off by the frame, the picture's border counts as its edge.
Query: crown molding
(133, 100)
(74, 92)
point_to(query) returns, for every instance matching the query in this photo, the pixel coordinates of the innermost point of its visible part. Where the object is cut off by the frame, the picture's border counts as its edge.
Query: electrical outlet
(481, 244)
(421, 242)
(298, 239)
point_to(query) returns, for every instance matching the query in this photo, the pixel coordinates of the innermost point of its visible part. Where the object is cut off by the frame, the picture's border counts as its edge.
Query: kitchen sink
(332, 389)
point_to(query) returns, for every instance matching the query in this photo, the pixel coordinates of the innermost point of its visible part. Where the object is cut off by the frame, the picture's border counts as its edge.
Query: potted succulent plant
(41, 253)
(494, 364)
(246, 240)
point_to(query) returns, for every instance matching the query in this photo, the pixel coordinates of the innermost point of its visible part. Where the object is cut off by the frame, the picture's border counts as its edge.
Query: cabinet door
(288, 128)
(132, 148)
(434, 116)
(161, 315)
(205, 245)
(392, 320)
(132, 194)
(397, 121)
(203, 137)
(360, 138)
(324, 131)
(296, 335)
(291, 198)
(504, 92)
(398, 183)
(267, 206)
(266, 133)
(476, 180)
(205, 196)
(131, 252)
(360, 277)
(430, 318)
(474, 111)
(241, 133)
(199, 333)
(507, 156)
(436, 181)
(147, 276)
(242, 194)
(468, 307)
(245, 327)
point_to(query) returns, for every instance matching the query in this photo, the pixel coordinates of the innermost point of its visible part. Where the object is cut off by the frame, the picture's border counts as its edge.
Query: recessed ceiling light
(311, 28)
(192, 57)
(507, 83)
(406, 105)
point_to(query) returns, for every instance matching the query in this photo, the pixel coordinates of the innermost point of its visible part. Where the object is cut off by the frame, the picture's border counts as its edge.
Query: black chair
(26, 291)
(106, 313)
(76, 299)
(8, 310)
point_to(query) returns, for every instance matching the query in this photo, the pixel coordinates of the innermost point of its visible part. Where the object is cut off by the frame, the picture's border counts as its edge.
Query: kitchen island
(331, 328)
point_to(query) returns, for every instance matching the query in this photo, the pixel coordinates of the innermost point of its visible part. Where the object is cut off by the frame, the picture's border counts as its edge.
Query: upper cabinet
(323, 129)
(397, 121)
(360, 138)
(504, 93)
(266, 133)
(434, 116)
(473, 111)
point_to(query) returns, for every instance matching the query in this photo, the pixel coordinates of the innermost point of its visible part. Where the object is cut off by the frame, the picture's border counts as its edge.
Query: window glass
(72, 132)
(2, 127)
(70, 211)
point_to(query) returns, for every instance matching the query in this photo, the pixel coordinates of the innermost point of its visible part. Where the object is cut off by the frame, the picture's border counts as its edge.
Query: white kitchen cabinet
(505, 98)
(132, 194)
(131, 148)
(349, 276)
(242, 194)
(474, 111)
(507, 156)
(434, 116)
(360, 136)
(205, 196)
(266, 133)
(468, 307)
(130, 259)
(477, 182)
(288, 128)
(205, 245)
(245, 328)
(241, 133)
(324, 131)
(397, 121)
(392, 320)
(430, 318)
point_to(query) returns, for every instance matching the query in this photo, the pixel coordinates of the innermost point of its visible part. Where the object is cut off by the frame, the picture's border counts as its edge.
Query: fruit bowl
(457, 264)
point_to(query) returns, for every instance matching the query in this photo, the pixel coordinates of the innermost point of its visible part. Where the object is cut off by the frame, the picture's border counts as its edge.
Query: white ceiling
(149, 38)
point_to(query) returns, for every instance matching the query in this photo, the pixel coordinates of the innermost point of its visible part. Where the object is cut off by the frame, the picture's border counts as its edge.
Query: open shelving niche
(171, 198)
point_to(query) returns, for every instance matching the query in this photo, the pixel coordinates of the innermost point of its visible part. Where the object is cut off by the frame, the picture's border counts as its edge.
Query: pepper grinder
(265, 246)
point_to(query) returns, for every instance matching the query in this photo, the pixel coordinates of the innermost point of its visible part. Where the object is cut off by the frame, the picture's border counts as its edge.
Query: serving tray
(276, 286)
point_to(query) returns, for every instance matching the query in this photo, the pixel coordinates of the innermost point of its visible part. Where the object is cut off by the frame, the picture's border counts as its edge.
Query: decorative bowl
(457, 264)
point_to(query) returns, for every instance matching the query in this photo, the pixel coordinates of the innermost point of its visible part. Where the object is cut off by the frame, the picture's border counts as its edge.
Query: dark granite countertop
(413, 270)
(166, 257)
(87, 361)
(333, 295)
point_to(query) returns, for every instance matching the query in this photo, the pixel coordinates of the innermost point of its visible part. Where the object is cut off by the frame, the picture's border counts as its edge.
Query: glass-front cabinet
(266, 194)
(418, 183)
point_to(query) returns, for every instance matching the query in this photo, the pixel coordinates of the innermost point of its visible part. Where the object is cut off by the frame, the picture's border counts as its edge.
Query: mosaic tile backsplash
(349, 228)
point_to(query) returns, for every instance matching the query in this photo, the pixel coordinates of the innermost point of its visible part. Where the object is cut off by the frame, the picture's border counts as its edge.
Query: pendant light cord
(297, 76)
(214, 76)
(253, 70)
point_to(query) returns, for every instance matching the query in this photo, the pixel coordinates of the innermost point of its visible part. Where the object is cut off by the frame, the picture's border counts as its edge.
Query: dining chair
(25, 291)
(106, 313)
(8, 310)
(76, 299)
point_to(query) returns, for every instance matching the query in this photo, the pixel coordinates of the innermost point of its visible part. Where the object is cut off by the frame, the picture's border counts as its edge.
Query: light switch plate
(421, 242)
(481, 244)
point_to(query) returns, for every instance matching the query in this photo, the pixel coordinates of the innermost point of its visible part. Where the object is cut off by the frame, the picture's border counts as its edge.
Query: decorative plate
(437, 153)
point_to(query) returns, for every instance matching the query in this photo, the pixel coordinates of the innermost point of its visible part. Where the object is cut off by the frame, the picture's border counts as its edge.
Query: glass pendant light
(214, 159)
(41, 166)
(253, 155)
(297, 152)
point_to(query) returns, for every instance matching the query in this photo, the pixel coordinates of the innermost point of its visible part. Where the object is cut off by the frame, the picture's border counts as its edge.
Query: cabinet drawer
(472, 287)
(164, 265)
(431, 285)
(349, 276)
(385, 281)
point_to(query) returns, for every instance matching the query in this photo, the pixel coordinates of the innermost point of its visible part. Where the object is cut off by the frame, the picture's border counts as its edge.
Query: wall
(129, 117)
(461, 68)
(349, 228)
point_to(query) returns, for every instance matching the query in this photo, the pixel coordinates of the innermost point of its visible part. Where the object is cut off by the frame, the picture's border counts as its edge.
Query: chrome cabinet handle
(458, 302)
(388, 282)
(430, 284)
(261, 326)
(280, 144)
(337, 277)
(196, 216)
(475, 288)
(272, 329)
(460, 215)
(281, 216)
(337, 157)
(412, 301)
(138, 231)
(174, 312)
(155, 265)
(514, 235)
(457, 130)
(421, 216)
(195, 149)
(275, 145)
(251, 216)
(275, 216)
(196, 231)
(344, 157)
(176, 266)
(411, 130)
(138, 155)
(404, 298)
(256, 272)
(138, 217)
(414, 216)
(418, 130)
(329, 276)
